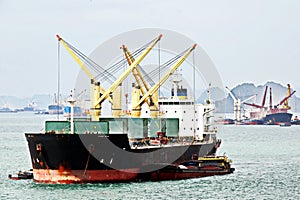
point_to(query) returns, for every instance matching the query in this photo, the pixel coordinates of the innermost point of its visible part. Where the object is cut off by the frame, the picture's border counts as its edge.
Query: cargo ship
(121, 148)
(271, 115)
(6, 109)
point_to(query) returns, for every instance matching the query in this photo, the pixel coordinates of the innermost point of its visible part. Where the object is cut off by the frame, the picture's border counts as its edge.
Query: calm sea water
(266, 158)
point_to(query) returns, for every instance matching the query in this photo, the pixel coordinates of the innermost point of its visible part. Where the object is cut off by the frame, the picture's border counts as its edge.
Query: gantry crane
(237, 104)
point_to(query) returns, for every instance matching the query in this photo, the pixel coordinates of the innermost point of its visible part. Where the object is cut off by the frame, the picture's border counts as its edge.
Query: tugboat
(122, 147)
(204, 166)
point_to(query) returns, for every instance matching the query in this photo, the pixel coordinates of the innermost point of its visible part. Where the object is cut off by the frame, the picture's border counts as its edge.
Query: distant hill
(216, 94)
(247, 90)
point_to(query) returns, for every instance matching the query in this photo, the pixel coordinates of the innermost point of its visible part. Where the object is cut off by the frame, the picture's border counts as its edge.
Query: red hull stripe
(81, 176)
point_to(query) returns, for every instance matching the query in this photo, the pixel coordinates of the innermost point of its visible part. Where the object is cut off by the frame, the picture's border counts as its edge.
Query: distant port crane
(237, 102)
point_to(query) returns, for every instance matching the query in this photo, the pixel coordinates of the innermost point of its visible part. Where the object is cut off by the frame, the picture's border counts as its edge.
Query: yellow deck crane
(153, 103)
(96, 89)
(136, 111)
(119, 81)
(288, 93)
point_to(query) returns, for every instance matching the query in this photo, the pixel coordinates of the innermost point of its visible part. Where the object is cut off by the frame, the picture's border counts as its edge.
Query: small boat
(203, 167)
(284, 124)
(22, 175)
(7, 110)
(295, 121)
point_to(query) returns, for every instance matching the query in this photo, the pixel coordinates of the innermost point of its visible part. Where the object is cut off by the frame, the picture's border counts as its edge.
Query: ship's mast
(207, 111)
(72, 101)
(271, 101)
(176, 79)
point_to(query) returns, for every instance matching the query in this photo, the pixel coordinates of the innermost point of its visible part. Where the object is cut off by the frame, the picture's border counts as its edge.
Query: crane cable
(118, 65)
(91, 64)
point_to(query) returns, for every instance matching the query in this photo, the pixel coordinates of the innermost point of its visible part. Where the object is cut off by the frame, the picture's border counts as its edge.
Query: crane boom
(253, 105)
(138, 76)
(286, 98)
(263, 100)
(138, 71)
(286, 103)
(236, 105)
(231, 94)
(171, 71)
(249, 98)
(135, 71)
(83, 67)
(75, 58)
(112, 88)
(264, 97)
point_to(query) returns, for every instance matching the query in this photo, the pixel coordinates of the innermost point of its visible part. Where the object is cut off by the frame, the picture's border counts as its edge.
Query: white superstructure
(194, 119)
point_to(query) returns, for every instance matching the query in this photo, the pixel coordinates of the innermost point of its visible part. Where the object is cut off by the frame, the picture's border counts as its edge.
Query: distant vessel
(296, 121)
(272, 115)
(55, 109)
(52, 110)
(7, 110)
(126, 145)
(30, 107)
(78, 112)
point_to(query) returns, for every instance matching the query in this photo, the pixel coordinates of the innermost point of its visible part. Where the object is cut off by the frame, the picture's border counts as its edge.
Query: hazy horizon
(248, 41)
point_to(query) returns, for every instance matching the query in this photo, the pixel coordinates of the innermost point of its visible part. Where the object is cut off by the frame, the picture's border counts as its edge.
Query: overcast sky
(249, 41)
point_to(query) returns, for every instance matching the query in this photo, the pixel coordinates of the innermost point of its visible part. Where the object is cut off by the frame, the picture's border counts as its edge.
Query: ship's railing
(140, 143)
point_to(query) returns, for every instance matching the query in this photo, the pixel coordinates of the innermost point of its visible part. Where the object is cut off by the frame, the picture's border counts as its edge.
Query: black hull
(278, 118)
(96, 157)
